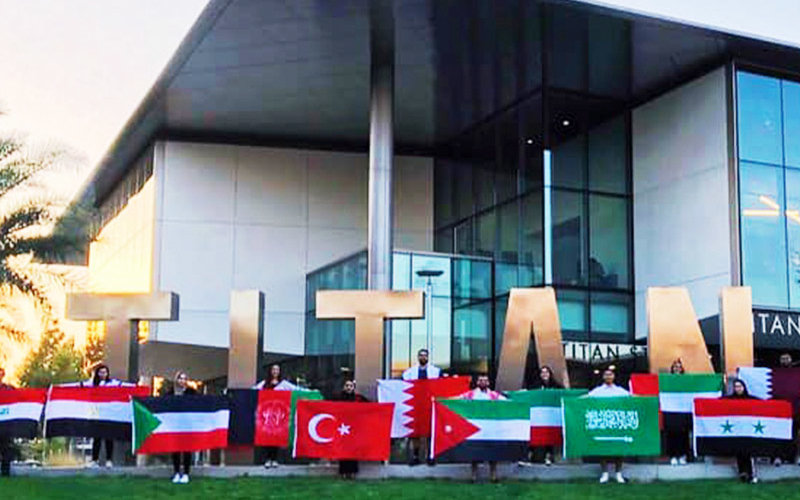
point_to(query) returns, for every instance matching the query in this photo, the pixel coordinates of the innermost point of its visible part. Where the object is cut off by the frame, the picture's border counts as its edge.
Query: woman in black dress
(349, 468)
(744, 462)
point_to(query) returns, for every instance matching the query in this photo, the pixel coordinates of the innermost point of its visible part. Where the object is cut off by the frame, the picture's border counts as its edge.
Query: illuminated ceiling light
(755, 212)
(529, 141)
(565, 123)
(766, 200)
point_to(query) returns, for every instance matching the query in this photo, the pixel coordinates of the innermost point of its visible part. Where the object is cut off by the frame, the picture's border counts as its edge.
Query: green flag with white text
(607, 427)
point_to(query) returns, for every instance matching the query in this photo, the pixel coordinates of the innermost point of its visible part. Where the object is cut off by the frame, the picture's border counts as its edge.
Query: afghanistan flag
(265, 417)
(413, 400)
(773, 383)
(615, 426)
(469, 430)
(179, 423)
(343, 430)
(728, 427)
(96, 412)
(545, 411)
(20, 411)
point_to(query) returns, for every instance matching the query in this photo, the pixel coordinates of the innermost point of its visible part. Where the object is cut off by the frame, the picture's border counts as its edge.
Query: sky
(73, 71)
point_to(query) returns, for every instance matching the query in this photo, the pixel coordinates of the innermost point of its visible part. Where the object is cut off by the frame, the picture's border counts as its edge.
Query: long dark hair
(551, 382)
(96, 376)
(745, 394)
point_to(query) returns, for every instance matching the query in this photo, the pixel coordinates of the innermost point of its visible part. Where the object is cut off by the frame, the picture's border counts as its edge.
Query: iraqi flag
(179, 423)
(264, 417)
(545, 412)
(413, 400)
(96, 412)
(20, 411)
(343, 430)
(728, 427)
(773, 383)
(469, 430)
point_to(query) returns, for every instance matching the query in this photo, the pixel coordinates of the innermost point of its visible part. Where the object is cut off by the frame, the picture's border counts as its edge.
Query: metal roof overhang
(296, 72)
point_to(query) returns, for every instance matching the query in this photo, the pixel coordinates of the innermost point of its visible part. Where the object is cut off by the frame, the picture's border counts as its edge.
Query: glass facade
(768, 126)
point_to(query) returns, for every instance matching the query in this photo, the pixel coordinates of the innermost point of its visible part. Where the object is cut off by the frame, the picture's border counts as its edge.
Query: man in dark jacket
(5, 441)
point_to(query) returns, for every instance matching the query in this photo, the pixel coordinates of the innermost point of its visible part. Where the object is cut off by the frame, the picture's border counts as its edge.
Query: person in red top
(5, 442)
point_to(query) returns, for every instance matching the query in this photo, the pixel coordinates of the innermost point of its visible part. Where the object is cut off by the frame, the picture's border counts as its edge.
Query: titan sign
(776, 329)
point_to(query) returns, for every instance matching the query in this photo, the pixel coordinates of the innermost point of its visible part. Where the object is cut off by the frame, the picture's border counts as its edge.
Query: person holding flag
(422, 371)
(5, 442)
(547, 381)
(349, 468)
(101, 378)
(677, 433)
(181, 388)
(744, 462)
(608, 389)
(274, 382)
(483, 392)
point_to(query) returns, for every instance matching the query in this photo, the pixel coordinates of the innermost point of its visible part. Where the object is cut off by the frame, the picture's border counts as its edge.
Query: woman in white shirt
(608, 389)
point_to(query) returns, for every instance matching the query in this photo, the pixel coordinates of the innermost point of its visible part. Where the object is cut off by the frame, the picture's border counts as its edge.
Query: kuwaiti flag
(20, 411)
(773, 383)
(264, 417)
(545, 412)
(469, 430)
(96, 412)
(727, 427)
(413, 400)
(179, 423)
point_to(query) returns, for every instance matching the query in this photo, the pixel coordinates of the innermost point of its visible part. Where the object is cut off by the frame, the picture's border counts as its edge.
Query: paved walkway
(636, 472)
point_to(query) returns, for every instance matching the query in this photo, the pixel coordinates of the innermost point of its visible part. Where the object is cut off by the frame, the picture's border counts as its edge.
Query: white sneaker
(109, 464)
(548, 461)
(91, 465)
(619, 478)
(604, 478)
(682, 460)
(754, 480)
(274, 464)
(268, 464)
(184, 479)
(673, 461)
(176, 478)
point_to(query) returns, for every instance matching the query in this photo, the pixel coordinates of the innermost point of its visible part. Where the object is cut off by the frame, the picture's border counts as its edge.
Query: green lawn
(324, 489)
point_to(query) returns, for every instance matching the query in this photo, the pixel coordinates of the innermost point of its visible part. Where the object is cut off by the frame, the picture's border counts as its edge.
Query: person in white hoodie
(608, 389)
(421, 371)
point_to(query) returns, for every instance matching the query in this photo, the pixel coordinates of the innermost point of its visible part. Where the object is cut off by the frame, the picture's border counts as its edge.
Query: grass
(119, 488)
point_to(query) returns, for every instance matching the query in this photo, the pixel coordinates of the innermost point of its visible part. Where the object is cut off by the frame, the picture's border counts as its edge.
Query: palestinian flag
(545, 412)
(20, 411)
(264, 417)
(728, 427)
(773, 383)
(96, 412)
(413, 401)
(179, 423)
(469, 430)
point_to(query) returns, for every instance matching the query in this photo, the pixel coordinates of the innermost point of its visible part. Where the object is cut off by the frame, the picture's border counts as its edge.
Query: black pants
(185, 458)
(271, 453)
(97, 443)
(677, 442)
(348, 467)
(745, 465)
(5, 456)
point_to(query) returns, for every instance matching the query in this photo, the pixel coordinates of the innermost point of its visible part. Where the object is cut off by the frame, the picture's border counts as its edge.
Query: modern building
(535, 143)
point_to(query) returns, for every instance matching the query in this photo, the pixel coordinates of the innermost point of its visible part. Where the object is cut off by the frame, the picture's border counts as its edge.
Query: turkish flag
(343, 430)
(273, 413)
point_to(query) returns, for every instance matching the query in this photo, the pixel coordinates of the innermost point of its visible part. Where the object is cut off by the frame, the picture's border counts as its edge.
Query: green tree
(54, 361)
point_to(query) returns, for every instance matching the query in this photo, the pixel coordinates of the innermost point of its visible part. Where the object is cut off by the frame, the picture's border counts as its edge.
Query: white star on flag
(448, 428)
(344, 429)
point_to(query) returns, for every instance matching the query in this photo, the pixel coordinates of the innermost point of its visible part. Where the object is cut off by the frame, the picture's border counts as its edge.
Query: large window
(768, 111)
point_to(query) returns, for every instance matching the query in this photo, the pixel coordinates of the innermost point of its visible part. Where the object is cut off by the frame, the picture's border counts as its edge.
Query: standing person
(5, 441)
(274, 381)
(181, 388)
(677, 429)
(349, 468)
(744, 462)
(608, 389)
(422, 371)
(548, 381)
(101, 377)
(483, 392)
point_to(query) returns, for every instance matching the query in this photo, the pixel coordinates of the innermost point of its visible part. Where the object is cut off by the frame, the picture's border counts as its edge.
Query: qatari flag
(96, 412)
(773, 383)
(20, 411)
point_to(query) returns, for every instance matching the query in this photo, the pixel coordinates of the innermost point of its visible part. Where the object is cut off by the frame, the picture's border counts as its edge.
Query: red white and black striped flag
(20, 411)
(96, 412)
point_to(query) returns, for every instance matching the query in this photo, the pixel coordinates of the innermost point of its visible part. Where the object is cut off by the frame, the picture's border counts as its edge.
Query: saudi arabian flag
(676, 393)
(469, 430)
(615, 426)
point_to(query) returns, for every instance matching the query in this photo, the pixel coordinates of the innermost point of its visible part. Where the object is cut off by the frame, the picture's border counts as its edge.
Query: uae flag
(264, 417)
(677, 394)
(413, 400)
(96, 412)
(728, 427)
(179, 423)
(773, 383)
(469, 430)
(343, 430)
(545, 412)
(20, 411)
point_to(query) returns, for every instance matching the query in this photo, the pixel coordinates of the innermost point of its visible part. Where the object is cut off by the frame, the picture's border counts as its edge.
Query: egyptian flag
(470, 430)
(413, 400)
(337, 430)
(96, 412)
(179, 423)
(729, 427)
(264, 417)
(545, 412)
(773, 383)
(20, 411)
